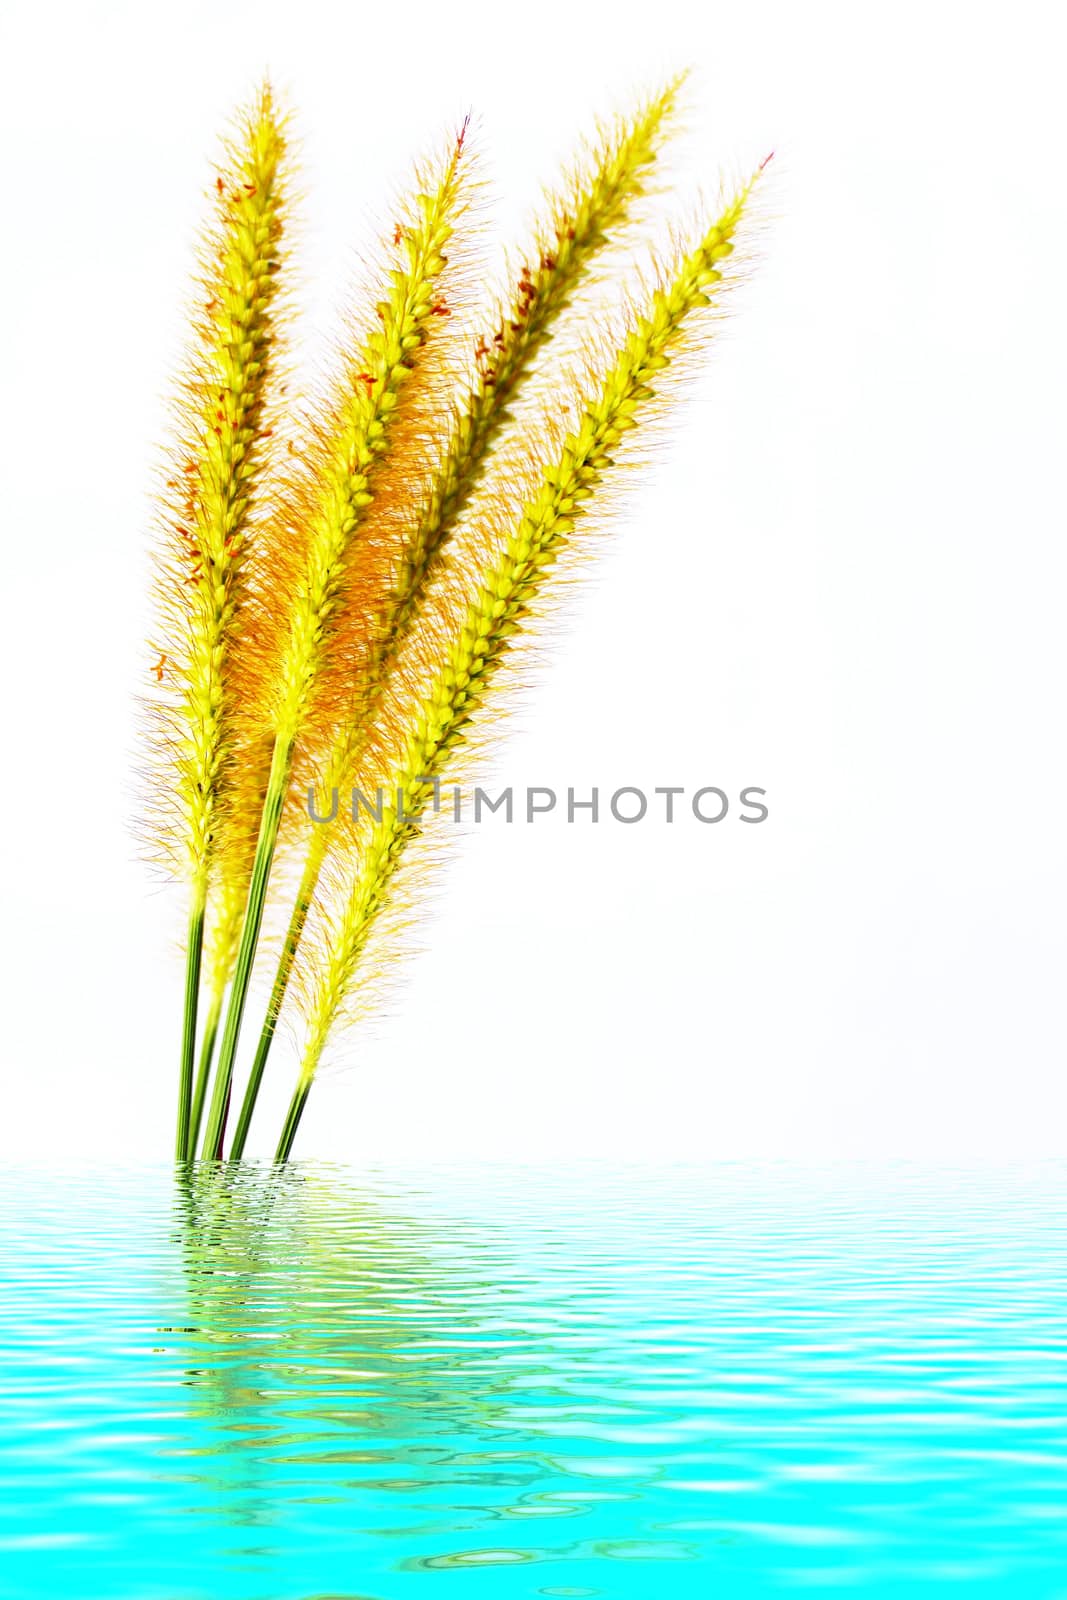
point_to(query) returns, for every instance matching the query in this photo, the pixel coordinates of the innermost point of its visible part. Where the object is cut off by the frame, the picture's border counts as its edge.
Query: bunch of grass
(315, 624)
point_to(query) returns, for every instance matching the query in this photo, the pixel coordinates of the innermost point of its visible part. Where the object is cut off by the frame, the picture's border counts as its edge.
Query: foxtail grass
(315, 619)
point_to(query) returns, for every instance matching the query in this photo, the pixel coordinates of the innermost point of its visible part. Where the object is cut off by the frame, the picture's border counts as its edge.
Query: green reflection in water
(332, 1349)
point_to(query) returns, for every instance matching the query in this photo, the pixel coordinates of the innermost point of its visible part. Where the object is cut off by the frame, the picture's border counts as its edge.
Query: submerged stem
(194, 952)
(281, 762)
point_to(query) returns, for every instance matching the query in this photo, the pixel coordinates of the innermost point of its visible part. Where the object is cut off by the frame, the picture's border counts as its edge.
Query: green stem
(203, 1071)
(292, 1120)
(246, 950)
(194, 951)
(216, 1154)
(304, 898)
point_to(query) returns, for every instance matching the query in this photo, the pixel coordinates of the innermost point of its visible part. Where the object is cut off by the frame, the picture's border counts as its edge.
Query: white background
(843, 580)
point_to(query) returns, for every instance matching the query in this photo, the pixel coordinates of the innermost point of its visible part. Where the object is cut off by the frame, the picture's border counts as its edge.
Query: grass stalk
(193, 955)
(281, 763)
(203, 1071)
(292, 1121)
(304, 898)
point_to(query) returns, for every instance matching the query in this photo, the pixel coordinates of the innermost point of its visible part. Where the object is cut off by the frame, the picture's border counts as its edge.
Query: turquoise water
(340, 1386)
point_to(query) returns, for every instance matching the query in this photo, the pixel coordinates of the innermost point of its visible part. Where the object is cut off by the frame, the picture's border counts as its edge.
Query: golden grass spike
(504, 602)
(217, 462)
(314, 553)
(369, 394)
(596, 202)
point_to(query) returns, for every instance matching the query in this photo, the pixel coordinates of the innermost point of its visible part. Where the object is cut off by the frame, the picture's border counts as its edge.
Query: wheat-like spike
(229, 455)
(370, 392)
(505, 600)
(595, 202)
(373, 389)
(217, 463)
(591, 207)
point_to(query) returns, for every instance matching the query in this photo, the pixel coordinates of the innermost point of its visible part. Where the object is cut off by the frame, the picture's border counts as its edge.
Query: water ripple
(314, 1386)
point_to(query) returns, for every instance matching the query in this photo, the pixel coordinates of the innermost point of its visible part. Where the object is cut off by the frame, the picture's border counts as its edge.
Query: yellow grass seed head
(594, 202)
(314, 569)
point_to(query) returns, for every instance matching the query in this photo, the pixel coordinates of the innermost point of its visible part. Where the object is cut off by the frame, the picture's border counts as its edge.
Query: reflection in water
(323, 1334)
(298, 1385)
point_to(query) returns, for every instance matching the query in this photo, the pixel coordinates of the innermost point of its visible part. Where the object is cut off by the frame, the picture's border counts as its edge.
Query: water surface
(338, 1386)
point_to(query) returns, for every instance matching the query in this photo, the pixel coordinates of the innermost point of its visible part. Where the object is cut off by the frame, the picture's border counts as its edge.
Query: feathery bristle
(506, 599)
